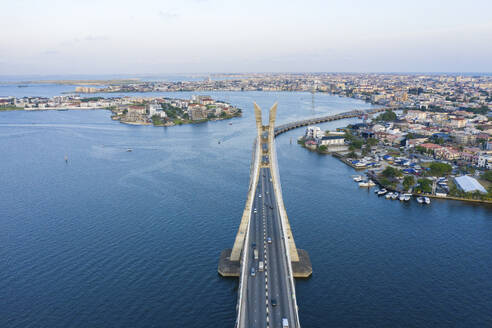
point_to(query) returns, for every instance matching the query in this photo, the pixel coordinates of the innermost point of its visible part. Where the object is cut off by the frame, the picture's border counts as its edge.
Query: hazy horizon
(203, 36)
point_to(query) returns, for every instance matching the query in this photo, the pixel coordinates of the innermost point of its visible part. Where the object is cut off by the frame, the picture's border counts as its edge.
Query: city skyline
(216, 36)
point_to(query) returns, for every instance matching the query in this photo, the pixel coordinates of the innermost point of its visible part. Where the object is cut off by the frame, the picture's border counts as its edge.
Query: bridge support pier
(300, 269)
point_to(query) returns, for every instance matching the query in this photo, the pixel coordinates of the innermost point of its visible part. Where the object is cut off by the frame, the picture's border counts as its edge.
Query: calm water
(132, 239)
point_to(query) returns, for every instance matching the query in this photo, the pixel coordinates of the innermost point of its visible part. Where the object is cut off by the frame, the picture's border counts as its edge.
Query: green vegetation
(387, 116)
(172, 112)
(387, 182)
(425, 186)
(355, 142)
(322, 148)
(439, 169)
(156, 120)
(371, 142)
(10, 108)
(408, 182)
(487, 176)
(90, 99)
(483, 110)
(391, 172)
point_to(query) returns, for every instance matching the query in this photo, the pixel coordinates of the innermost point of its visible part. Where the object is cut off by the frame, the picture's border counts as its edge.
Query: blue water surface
(132, 239)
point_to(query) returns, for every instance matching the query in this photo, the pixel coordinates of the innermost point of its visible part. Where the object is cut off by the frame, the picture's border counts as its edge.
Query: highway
(270, 286)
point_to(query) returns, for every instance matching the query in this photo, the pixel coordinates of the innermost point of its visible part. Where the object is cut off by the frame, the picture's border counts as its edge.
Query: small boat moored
(367, 184)
(381, 192)
(357, 178)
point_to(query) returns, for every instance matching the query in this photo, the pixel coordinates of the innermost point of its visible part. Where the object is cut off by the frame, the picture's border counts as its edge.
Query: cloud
(96, 38)
(167, 15)
(50, 52)
(88, 38)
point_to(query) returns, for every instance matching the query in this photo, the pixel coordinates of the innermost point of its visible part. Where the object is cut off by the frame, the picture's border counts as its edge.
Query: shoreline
(376, 180)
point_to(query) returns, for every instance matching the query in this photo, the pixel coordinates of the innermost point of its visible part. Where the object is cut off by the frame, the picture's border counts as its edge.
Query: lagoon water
(132, 239)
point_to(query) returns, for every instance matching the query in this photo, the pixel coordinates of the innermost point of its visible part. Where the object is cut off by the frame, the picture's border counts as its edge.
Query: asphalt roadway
(271, 284)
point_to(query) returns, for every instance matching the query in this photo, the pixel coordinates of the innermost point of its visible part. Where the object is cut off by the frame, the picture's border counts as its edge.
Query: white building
(469, 184)
(485, 161)
(314, 132)
(332, 141)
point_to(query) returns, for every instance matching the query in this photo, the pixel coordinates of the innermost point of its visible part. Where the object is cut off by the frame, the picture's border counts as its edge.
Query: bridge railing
(281, 208)
(254, 174)
(353, 113)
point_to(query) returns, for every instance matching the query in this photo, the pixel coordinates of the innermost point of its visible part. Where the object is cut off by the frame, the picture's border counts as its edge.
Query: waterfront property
(467, 184)
(159, 111)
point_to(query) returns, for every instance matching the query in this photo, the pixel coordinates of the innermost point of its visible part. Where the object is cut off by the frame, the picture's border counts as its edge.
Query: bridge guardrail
(245, 253)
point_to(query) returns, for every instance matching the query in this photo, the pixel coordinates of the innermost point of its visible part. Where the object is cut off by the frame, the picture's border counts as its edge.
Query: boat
(357, 178)
(402, 197)
(377, 190)
(129, 150)
(420, 200)
(389, 195)
(382, 192)
(427, 200)
(367, 184)
(395, 196)
(407, 197)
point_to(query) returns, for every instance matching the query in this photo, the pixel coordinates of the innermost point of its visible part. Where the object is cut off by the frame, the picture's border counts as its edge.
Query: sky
(204, 36)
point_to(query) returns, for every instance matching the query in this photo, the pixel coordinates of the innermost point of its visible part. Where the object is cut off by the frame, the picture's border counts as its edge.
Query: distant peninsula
(156, 111)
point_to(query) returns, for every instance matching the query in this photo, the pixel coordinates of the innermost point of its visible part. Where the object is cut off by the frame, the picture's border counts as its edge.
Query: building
(485, 161)
(332, 141)
(196, 113)
(313, 132)
(86, 89)
(466, 183)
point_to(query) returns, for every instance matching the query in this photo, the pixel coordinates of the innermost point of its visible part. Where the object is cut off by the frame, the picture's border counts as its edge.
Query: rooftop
(469, 184)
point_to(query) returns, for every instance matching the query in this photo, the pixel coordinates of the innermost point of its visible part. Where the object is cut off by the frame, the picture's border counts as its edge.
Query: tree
(439, 169)
(372, 142)
(487, 176)
(357, 143)
(408, 182)
(387, 116)
(323, 148)
(391, 172)
(425, 186)
(352, 155)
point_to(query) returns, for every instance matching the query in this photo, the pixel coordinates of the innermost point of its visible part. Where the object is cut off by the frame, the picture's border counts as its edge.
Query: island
(158, 111)
(171, 111)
